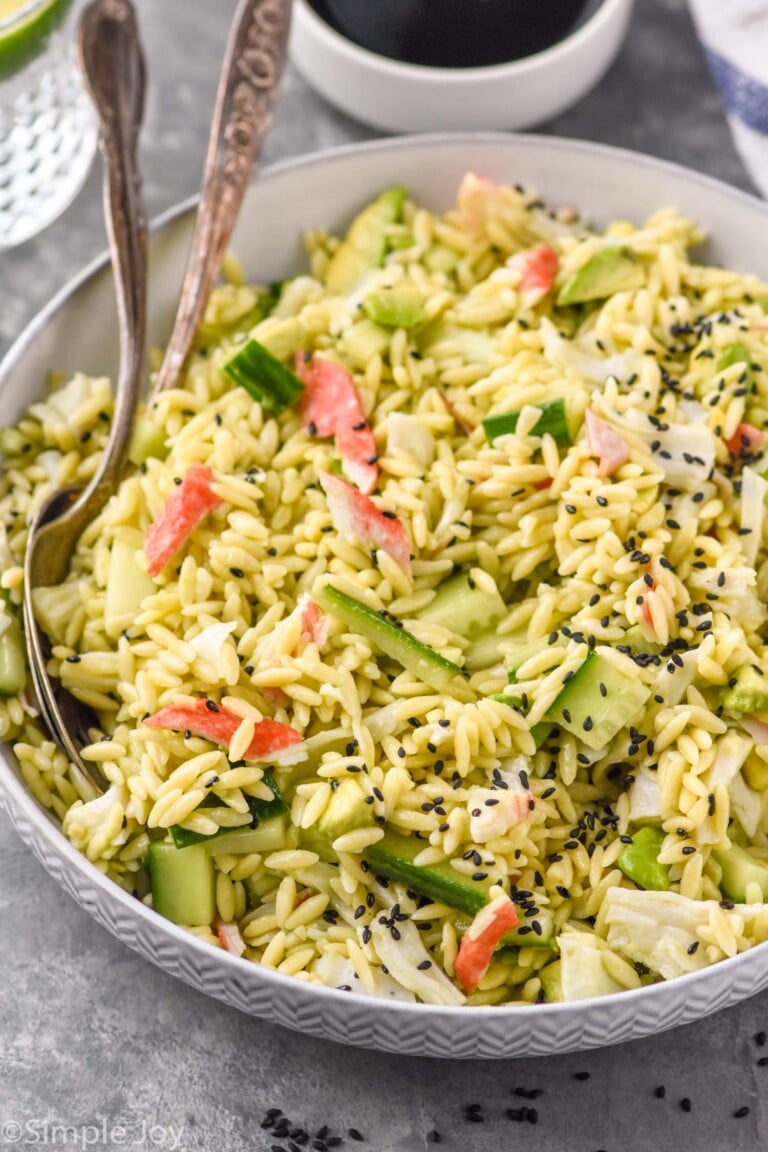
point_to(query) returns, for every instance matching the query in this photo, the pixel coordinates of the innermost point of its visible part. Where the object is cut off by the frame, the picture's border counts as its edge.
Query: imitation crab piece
(186, 507)
(305, 622)
(605, 443)
(475, 195)
(481, 939)
(356, 515)
(331, 407)
(745, 436)
(212, 722)
(493, 811)
(229, 937)
(538, 268)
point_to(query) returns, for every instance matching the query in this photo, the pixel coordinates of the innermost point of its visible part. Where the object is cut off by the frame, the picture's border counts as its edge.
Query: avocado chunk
(281, 338)
(345, 811)
(389, 637)
(748, 692)
(393, 856)
(740, 869)
(639, 860)
(364, 340)
(147, 440)
(13, 663)
(401, 306)
(597, 702)
(609, 270)
(365, 245)
(183, 884)
(463, 606)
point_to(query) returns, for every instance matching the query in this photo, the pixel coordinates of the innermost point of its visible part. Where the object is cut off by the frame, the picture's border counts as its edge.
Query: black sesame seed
(355, 1135)
(685, 1104)
(740, 1113)
(581, 1075)
(434, 1137)
(660, 1092)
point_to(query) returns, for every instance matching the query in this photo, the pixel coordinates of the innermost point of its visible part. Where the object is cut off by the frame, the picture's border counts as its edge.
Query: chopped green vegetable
(391, 638)
(465, 607)
(598, 701)
(183, 884)
(610, 270)
(263, 376)
(747, 691)
(261, 811)
(13, 663)
(553, 419)
(393, 857)
(639, 860)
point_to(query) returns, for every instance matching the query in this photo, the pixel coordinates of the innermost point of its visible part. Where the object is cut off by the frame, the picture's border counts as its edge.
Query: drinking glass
(47, 127)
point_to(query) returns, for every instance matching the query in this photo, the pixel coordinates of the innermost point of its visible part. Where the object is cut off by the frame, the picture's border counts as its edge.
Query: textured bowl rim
(21, 805)
(557, 54)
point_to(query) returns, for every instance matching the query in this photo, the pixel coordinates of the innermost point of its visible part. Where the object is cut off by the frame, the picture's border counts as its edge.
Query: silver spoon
(250, 80)
(113, 65)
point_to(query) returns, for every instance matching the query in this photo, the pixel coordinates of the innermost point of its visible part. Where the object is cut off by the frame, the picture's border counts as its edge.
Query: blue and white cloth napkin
(734, 34)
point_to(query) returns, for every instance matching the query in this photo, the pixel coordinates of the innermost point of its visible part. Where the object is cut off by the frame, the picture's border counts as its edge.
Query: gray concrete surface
(99, 1049)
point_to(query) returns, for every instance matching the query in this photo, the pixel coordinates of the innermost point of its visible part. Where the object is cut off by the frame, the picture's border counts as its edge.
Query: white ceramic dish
(410, 98)
(77, 330)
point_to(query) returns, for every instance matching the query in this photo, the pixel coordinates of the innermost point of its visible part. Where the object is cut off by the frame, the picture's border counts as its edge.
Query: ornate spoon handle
(250, 78)
(112, 62)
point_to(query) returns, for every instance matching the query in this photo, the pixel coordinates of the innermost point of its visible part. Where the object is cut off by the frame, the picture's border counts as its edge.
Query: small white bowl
(412, 98)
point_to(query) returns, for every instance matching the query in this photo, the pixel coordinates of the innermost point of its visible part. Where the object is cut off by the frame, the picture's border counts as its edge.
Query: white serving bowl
(412, 98)
(77, 330)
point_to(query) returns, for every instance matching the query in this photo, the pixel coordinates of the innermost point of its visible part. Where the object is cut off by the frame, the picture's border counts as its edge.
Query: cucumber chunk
(597, 702)
(420, 660)
(552, 982)
(261, 811)
(401, 306)
(183, 884)
(262, 375)
(269, 836)
(483, 652)
(465, 607)
(393, 858)
(553, 419)
(519, 649)
(740, 869)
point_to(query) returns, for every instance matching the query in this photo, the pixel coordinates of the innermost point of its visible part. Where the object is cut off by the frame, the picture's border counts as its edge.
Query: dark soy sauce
(452, 33)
